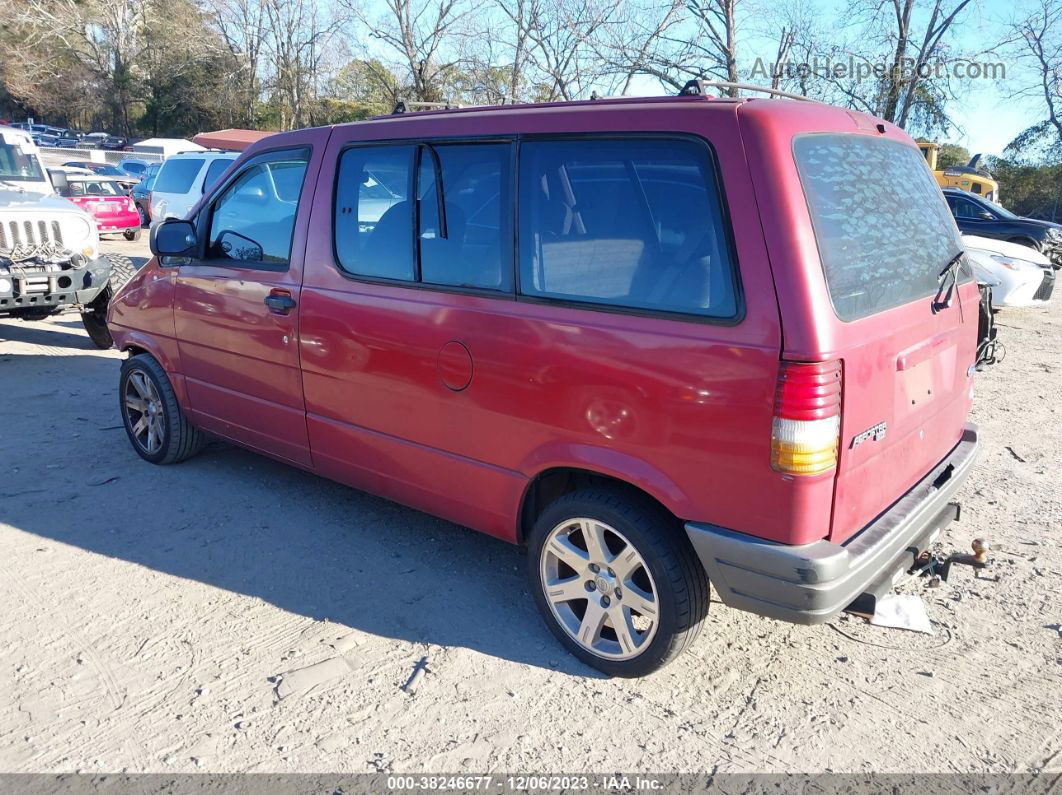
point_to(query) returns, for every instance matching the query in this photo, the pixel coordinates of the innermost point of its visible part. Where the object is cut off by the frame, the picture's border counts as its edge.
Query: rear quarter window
(218, 167)
(883, 229)
(632, 224)
(177, 176)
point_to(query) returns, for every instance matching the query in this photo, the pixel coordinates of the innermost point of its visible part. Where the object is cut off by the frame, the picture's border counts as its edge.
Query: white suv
(183, 179)
(49, 247)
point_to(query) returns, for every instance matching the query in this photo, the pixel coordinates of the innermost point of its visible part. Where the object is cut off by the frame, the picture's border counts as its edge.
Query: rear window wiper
(948, 278)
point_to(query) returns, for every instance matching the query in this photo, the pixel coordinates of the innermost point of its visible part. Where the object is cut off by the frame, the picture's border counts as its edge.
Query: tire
(122, 270)
(131, 234)
(145, 219)
(145, 393)
(94, 319)
(666, 569)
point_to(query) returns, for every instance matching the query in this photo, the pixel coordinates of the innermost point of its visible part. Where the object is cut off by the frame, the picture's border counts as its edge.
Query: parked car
(183, 179)
(114, 143)
(106, 200)
(141, 193)
(45, 140)
(93, 140)
(105, 170)
(617, 332)
(49, 249)
(133, 167)
(982, 218)
(1018, 275)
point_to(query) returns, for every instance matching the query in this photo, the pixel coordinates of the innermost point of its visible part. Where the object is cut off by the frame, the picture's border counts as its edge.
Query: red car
(656, 341)
(107, 200)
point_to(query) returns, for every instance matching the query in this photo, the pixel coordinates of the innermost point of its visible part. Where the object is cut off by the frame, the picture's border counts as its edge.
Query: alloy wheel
(144, 412)
(599, 589)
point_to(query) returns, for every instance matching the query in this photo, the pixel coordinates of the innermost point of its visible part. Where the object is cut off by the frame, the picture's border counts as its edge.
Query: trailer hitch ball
(938, 569)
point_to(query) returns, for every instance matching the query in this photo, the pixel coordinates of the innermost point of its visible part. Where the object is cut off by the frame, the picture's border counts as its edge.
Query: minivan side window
(476, 251)
(625, 223)
(251, 222)
(373, 216)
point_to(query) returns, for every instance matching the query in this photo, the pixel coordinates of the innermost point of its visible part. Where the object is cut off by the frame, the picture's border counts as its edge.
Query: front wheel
(153, 420)
(616, 581)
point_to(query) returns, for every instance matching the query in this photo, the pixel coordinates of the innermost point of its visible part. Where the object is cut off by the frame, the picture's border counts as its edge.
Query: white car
(1018, 275)
(183, 179)
(49, 247)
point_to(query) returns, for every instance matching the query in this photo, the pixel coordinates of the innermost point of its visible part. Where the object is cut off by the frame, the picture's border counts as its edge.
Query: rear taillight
(807, 418)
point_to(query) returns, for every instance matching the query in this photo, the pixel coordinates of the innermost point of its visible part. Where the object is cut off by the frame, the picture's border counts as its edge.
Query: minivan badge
(875, 432)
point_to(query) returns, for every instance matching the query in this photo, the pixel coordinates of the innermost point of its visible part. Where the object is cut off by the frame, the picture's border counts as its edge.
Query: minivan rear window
(177, 176)
(883, 229)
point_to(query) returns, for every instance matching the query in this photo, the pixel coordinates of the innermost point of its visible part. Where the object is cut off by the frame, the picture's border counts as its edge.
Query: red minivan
(659, 342)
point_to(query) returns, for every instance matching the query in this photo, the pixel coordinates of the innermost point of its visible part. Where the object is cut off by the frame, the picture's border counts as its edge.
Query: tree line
(175, 67)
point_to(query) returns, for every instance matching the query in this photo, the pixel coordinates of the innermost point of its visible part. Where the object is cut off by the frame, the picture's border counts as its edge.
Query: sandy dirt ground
(233, 614)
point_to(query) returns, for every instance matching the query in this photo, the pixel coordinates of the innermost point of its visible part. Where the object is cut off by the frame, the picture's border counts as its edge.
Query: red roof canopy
(230, 139)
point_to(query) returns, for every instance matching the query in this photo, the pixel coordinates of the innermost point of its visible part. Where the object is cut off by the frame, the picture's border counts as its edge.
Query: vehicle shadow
(247, 524)
(48, 332)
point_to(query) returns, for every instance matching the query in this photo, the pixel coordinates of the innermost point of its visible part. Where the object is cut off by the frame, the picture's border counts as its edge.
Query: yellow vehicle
(969, 177)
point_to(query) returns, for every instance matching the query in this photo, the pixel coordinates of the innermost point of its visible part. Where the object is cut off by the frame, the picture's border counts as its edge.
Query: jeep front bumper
(812, 583)
(23, 287)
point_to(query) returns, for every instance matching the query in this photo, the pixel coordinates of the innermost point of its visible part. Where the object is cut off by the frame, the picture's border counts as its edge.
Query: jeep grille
(27, 233)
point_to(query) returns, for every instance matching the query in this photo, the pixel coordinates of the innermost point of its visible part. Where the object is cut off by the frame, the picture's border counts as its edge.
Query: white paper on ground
(902, 611)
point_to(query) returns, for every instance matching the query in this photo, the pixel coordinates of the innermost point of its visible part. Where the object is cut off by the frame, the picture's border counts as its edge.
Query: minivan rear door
(858, 233)
(904, 314)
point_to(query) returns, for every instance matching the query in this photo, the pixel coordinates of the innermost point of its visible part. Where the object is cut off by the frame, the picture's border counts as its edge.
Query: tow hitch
(938, 568)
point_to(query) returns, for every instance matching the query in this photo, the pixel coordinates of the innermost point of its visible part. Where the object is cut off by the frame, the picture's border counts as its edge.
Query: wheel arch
(1024, 240)
(135, 343)
(553, 483)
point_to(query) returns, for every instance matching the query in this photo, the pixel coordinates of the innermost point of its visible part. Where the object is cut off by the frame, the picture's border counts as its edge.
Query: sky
(986, 116)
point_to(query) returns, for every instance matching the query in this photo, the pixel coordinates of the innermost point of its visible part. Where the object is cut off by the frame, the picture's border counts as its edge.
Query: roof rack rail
(696, 87)
(407, 106)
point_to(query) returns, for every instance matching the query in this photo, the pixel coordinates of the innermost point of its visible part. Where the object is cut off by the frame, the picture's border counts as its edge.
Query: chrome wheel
(599, 589)
(144, 413)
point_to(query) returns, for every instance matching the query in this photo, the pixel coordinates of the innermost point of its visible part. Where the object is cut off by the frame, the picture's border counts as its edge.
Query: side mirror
(984, 215)
(59, 181)
(174, 238)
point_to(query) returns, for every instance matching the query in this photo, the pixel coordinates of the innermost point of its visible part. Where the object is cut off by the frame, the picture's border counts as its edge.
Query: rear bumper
(812, 583)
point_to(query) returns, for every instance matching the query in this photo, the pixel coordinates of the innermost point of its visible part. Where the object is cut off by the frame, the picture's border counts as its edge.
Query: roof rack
(697, 87)
(407, 106)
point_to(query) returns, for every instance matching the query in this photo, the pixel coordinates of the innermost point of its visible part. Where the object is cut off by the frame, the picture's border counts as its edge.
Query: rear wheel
(616, 581)
(132, 234)
(154, 422)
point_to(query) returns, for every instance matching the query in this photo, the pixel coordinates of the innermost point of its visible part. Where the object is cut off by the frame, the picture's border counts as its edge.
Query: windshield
(883, 229)
(17, 166)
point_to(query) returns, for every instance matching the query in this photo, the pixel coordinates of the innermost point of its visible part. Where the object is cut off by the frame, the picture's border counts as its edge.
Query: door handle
(280, 304)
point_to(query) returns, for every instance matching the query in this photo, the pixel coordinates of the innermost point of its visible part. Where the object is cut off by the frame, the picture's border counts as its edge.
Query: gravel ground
(232, 614)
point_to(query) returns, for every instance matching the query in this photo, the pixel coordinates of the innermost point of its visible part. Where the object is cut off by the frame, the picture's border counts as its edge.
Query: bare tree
(1037, 42)
(422, 34)
(102, 36)
(243, 26)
